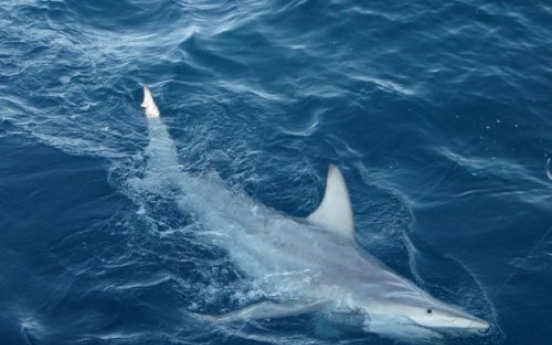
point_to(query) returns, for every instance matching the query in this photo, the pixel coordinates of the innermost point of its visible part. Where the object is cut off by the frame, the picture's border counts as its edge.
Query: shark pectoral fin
(332, 324)
(335, 211)
(269, 310)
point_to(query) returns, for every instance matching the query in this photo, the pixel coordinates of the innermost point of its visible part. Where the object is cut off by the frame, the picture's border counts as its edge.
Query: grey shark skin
(307, 265)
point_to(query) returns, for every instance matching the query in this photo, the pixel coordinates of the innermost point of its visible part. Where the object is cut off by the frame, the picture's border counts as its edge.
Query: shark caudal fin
(151, 108)
(161, 150)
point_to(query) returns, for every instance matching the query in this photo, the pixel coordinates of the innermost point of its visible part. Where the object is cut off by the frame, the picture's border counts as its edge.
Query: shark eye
(429, 311)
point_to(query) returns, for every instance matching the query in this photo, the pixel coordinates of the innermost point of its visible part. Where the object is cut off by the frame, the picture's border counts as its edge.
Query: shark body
(310, 265)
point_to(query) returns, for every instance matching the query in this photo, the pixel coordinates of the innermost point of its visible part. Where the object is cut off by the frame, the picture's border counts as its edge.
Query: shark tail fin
(151, 108)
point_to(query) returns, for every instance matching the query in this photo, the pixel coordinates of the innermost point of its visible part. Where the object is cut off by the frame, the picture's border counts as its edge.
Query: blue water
(438, 112)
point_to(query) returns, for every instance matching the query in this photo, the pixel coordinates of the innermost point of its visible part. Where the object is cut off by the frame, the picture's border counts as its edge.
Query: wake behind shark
(307, 265)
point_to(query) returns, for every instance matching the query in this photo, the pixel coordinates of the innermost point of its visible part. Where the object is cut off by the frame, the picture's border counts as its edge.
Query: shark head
(420, 315)
(428, 312)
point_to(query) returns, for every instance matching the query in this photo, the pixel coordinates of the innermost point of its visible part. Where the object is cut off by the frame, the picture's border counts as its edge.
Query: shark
(309, 265)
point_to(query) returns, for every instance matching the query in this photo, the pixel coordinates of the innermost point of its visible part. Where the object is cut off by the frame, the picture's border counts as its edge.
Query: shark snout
(464, 321)
(477, 324)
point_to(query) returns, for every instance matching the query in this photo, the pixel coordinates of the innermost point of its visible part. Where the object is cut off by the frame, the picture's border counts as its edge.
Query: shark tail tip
(151, 108)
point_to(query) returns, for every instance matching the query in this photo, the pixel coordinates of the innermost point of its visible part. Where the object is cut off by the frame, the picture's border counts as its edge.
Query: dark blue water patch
(124, 15)
(38, 175)
(74, 271)
(70, 199)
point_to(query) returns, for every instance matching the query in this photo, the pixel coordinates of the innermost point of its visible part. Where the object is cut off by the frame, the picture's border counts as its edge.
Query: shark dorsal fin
(148, 103)
(335, 211)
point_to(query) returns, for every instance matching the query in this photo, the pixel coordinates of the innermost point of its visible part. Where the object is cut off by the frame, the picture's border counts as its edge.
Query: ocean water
(438, 113)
